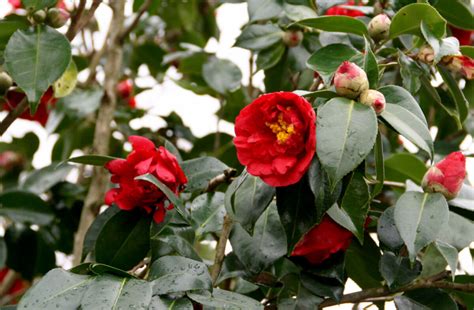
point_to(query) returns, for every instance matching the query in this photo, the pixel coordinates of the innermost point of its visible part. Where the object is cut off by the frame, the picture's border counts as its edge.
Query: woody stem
(13, 115)
(220, 249)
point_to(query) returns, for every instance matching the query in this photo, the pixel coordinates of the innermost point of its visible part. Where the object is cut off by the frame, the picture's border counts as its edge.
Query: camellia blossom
(145, 158)
(460, 63)
(340, 10)
(447, 176)
(276, 137)
(322, 241)
(125, 91)
(47, 101)
(374, 99)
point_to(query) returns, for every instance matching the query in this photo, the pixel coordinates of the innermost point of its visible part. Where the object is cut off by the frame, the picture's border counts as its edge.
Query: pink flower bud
(379, 27)
(292, 38)
(9, 160)
(447, 176)
(426, 54)
(460, 64)
(350, 80)
(57, 18)
(374, 99)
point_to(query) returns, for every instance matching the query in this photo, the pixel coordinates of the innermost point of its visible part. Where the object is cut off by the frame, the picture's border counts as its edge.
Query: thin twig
(13, 115)
(71, 32)
(135, 21)
(225, 177)
(251, 73)
(83, 21)
(220, 249)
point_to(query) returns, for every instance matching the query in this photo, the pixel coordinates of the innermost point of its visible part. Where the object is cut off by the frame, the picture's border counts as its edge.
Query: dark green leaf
(8, 26)
(179, 245)
(200, 171)
(450, 254)
(441, 47)
(404, 166)
(299, 12)
(258, 37)
(336, 24)
(3, 253)
(462, 105)
(418, 217)
(400, 96)
(456, 12)
(467, 50)
(23, 206)
(432, 298)
(43, 179)
(397, 271)
(408, 20)
(207, 212)
(322, 286)
(225, 299)
(161, 303)
(379, 166)
(222, 75)
(387, 230)
(270, 56)
(410, 72)
(26, 145)
(34, 5)
(95, 160)
(264, 9)
(457, 232)
(323, 93)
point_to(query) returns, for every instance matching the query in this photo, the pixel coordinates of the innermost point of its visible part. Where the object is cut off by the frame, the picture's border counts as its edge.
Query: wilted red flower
(340, 10)
(14, 97)
(322, 241)
(276, 137)
(461, 64)
(447, 176)
(145, 158)
(464, 36)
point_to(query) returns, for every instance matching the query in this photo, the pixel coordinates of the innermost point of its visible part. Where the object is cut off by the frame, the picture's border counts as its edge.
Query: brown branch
(137, 18)
(103, 130)
(225, 177)
(220, 249)
(250, 88)
(75, 18)
(82, 20)
(13, 115)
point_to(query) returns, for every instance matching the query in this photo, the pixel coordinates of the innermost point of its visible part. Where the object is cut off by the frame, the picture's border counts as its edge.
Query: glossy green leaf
(398, 271)
(8, 25)
(36, 59)
(431, 298)
(161, 303)
(457, 232)
(467, 50)
(200, 171)
(456, 12)
(270, 56)
(258, 37)
(264, 9)
(94, 160)
(387, 230)
(346, 132)
(323, 93)
(171, 274)
(408, 19)
(326, 60)
(462, 105)
(265, 246)
(379, 166)
(400, 96)
(410, 72)
(3, 253)
(225, 299)
(450, 254)
(418, 217)
(404, 166)
(123, 241)
(43, 179)
(336, 24)
(179, 245)
(222, 75)
(35, 5)
(207, 212)
(23, 206)
(299, 12)
(322, 286)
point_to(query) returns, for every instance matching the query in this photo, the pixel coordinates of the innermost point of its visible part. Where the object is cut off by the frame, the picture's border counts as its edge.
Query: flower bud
(10, 160)
(57, 18)
(350, 80)
(5, 82)
(460, 64)
(39, 16)
(292, 38)
(374, 99)
(447, 176)
(125, 89)
(379, 27)
(426, 54)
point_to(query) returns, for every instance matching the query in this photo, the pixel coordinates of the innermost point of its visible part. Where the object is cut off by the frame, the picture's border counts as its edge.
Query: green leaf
(58, 288)
(200, 171)
(326, 60)
(433, 261)
(36, 59)
(370, 66)
(409, 125)
(67, 82)
(456, 13)
(450, 254)
(100, 269)
(398, 271)
(462, 105)
(251, 198)
(404, 166)
(34, 5)
(355, 205)
(270, 56)
(408, 19)
(172, 274)
(387, 230)
(400, 96)
(336, 24)
(123, 241)
(258, 37)
(430, 298)
(265, 246)
(410, 72)
(299, 12)
(418, 217)
(43, 179)
(264, 9)
(94, 160)
(222, 75)
(323, 93)
(225, 299)
(458, 232)
(320, 286)
(207, 212)
(297, 210)
(346, 132)
(3, 253)
(23, 206)
(81, 102)
(161, 302)
(467, 51)
(379, 166)
(8, 25)
(26, 145)
(179, 245)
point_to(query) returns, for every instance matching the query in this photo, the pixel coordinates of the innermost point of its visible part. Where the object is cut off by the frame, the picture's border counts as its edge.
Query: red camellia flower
(322, 241)
(14, 97)
(125, 89)
(340, 10)
(145, 158)
(464, 36)
(460, 63)
(447, 176)
(16, 289)
(276, 137)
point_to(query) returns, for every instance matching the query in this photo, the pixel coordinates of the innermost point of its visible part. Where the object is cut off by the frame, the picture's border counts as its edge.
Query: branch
(225, 177)
(13, 115)
(75, 18)
(82, 20)
(135, 21)
(220, 249)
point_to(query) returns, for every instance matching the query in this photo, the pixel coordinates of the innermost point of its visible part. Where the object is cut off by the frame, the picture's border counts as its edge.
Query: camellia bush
(315, 191)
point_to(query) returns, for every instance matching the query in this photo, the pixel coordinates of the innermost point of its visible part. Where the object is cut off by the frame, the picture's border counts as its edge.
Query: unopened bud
(5, 82)
(292, 38)
(350, 80)
(57, 18)
(39, 16)
(447, 176)
(379, 27)
(125, 89)
(426, 54)
(374, 99)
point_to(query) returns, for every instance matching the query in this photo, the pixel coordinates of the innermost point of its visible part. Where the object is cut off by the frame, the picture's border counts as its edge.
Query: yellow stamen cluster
(281, 129)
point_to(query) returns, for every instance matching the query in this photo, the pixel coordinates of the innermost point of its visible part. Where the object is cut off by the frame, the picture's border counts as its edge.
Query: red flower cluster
(322, 241)
(447, 176)
(465, 37)
(14, 97)
(145, 158)
(276, 137)
(340, 10)
(125, 91)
